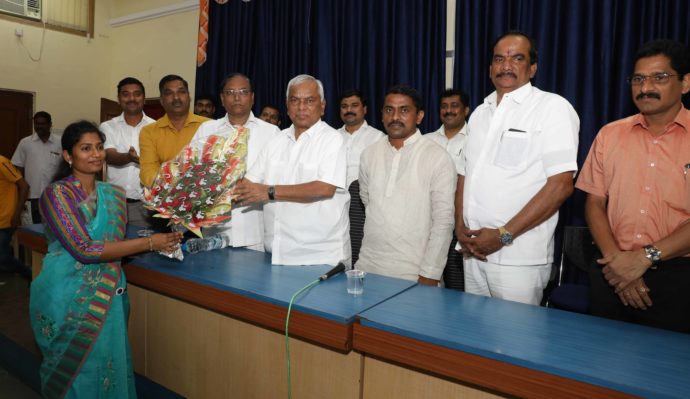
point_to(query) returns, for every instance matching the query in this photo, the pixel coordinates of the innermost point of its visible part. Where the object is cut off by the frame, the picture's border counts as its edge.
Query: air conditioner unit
(23, 8)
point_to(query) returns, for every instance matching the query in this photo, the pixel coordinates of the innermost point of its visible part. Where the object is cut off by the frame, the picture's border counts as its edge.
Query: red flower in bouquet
(196, 188)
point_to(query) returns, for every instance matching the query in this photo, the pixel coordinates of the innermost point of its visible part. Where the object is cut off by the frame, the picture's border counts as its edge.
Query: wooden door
(153, 108)
(109, 109)
(16, 111)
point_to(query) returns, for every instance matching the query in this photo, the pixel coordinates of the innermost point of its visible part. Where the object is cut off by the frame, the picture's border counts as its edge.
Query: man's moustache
(447, 114)
(350, 114)
(648, 95)
(502, 74)
(396, 123)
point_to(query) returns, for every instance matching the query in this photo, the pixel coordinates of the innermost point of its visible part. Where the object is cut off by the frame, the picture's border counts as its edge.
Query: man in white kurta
(356, 132)
(517, 169)
(407, 185)
(300, 178)
(245, 228)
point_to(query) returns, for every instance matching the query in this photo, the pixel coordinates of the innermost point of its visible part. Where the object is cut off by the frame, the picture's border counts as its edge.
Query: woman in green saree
(79, 303)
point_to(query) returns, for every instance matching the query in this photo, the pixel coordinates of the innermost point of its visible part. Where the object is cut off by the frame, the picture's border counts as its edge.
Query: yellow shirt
(9, 176)
(160, 142)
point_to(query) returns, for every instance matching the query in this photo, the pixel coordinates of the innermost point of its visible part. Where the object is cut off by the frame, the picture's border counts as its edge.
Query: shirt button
(638, 235)
(651, 164)
(642, 211)
(655, 142)
(647, 188)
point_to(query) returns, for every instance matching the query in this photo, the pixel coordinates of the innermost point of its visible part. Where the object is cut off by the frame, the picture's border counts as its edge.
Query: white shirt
(40, 161)
(510, 151)
(246, 226)
(121, 136)
(453, 146)
(355, 144)
(311, 233)
(409, 197)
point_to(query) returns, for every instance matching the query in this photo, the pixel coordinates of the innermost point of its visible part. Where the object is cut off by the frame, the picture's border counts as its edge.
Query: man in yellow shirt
(13, 191)
(162, 141)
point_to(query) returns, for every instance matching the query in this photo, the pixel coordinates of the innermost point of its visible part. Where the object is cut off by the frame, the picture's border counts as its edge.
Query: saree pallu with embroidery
(78, 305)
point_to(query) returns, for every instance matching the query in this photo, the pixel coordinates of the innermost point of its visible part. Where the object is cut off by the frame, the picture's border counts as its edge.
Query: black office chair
(357, 217)
(572, 282)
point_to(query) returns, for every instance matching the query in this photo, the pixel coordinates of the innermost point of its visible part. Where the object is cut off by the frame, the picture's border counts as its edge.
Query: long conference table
(213, 325)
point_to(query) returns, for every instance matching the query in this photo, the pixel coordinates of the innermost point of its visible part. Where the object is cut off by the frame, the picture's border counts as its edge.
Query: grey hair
(301, 79)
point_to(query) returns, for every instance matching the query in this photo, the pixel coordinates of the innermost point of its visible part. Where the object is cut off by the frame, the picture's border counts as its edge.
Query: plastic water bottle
(217, 241)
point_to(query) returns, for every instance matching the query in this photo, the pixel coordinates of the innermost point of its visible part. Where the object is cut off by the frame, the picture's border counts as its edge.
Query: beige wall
(151, 49)
(74, 72)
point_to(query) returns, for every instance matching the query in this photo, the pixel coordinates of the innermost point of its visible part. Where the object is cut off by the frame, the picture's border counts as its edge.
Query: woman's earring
(70, 164)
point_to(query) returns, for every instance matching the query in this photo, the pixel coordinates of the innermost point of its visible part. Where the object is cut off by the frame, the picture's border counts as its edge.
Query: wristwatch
(653, 254)
(271, 192)
(505, 236)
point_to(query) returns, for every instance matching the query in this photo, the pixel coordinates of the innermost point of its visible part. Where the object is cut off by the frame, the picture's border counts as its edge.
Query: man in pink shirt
(638, 197)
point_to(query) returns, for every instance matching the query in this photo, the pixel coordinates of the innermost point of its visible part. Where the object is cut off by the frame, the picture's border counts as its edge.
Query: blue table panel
(622, 356)
(251, 274)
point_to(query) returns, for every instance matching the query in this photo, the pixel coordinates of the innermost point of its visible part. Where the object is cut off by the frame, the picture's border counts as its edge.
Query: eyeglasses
(657, 78)
(238, 92)
(308, 101)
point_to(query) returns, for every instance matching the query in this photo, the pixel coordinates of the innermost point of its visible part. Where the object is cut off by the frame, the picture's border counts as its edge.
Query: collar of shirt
(682, 119)
(51, 138)
(145, 120)
(164, 121)
(442, 131)
(290, 132)
(518, 95)
(361, 128)
(409, 142)
(251, 121)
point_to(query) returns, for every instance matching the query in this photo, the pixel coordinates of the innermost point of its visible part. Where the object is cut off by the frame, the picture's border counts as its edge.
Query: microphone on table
(338, 269)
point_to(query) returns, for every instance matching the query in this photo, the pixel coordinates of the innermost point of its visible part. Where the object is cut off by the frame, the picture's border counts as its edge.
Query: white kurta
(409, 198)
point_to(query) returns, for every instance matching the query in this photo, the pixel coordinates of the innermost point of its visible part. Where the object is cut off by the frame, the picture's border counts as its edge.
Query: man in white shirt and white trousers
(517, 169)
(300, 178)
(245, 228)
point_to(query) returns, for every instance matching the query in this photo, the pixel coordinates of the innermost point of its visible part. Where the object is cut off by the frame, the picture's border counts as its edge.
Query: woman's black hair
(70, 138)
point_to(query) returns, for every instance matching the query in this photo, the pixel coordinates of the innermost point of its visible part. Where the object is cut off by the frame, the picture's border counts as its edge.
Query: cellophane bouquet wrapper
(195, 189)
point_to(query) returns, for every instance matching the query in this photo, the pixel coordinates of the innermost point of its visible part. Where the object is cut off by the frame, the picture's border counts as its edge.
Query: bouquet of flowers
(195, 189)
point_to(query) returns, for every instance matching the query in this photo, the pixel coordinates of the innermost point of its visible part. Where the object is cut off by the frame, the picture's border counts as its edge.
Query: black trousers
(669, 293)
(35, 212)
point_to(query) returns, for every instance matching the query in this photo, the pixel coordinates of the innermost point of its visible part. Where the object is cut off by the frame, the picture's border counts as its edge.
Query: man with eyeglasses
(516, 170)
(245, 229)
(638, 197)
(162, 141)
(300, 178)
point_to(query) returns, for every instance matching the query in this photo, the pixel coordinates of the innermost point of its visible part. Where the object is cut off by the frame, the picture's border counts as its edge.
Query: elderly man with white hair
(300, 176)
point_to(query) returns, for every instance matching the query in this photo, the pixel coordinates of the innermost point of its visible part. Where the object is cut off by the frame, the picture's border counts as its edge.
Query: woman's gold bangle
(150, 244)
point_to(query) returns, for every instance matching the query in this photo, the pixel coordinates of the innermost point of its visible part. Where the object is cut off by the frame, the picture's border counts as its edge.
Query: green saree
(79, 305)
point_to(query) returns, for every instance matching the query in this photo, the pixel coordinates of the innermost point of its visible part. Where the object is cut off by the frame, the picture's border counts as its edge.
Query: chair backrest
(357, 216)
(579, 251)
